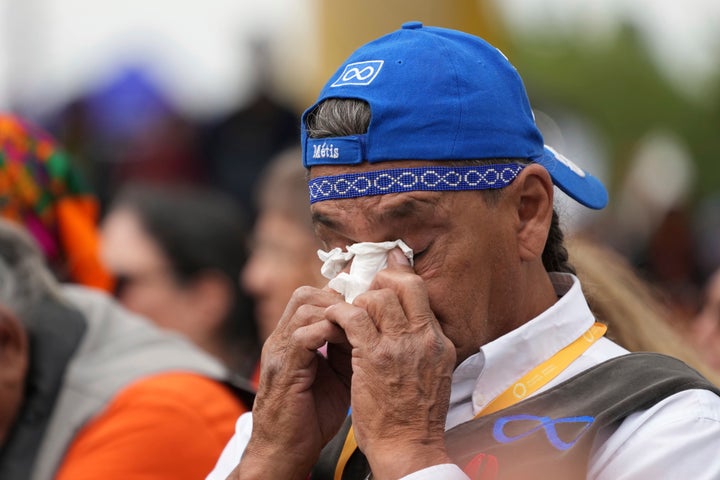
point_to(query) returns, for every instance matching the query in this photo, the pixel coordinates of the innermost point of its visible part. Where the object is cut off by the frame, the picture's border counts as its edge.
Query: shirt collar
(503, 361)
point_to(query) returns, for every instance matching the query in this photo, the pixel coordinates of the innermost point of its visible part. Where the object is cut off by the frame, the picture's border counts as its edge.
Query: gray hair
(24, 277)
(338, 118)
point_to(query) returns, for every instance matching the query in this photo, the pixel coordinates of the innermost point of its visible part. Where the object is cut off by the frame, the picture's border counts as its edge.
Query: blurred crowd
(199, 232)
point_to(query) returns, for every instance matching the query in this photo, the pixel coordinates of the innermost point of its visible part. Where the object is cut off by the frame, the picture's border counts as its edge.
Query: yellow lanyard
(348, 449)
(527, 385)
(546, 371)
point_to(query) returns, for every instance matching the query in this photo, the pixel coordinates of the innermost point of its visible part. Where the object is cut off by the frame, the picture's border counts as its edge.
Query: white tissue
(368, 258)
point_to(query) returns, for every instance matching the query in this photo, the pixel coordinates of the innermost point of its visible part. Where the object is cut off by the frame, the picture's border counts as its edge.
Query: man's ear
(534, 210)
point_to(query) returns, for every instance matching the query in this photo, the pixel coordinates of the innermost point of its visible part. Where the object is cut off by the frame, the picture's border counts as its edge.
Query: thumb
(397, 259)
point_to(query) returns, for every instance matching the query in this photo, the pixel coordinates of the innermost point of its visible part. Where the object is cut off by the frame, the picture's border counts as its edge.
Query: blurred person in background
(91, 391)
(283, 247)
(176, 253)
(126, 128)
(705, 329)
(41, 189)
(670, 261)
(636, 317)
(237, 146)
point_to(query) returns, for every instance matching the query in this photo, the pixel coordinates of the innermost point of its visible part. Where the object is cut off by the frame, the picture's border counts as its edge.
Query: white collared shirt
(677, 438)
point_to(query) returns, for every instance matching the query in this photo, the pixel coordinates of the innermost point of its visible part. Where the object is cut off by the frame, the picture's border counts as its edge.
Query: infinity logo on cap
(359, 73)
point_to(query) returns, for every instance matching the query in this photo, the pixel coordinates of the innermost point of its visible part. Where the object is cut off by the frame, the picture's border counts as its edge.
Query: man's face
(465, 250)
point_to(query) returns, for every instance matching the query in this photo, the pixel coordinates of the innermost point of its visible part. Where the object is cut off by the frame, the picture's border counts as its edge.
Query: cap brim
(571, 179)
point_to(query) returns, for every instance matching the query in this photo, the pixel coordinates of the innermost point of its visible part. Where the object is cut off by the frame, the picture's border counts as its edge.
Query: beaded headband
(379, 182)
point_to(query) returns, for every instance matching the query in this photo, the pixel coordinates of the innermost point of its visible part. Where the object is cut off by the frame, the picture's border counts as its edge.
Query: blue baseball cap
(438, 94)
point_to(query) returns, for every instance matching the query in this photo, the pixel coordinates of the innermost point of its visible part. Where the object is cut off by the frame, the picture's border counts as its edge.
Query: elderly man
(480, 358)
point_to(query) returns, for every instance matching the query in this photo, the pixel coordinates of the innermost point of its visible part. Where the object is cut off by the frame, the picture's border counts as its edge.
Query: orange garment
(41, 189)
(255, 379)
(80, 241)
(169, 426)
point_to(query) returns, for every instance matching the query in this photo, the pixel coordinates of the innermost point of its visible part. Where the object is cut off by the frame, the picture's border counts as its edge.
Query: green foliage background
(619, 89)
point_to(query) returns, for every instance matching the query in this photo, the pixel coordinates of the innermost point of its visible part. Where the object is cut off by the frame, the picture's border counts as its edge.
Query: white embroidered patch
(359, 73)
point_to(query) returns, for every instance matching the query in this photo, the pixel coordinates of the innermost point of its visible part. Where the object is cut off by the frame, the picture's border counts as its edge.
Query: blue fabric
(398, 180)
(437, 94)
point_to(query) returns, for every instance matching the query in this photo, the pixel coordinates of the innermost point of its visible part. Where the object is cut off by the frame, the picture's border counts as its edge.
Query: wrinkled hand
(303, 398)
(402, 365)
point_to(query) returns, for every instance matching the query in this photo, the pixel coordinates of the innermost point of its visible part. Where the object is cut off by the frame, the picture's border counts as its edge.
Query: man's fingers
(410, 290)
(293, 362)
(311, 296)
(397, 259)
(359, 328)
(290, 351)
(384, 308)
(312, 337)
(305, 306)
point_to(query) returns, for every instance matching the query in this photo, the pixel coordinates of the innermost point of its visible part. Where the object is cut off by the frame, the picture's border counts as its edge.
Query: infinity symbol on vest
(545, 423)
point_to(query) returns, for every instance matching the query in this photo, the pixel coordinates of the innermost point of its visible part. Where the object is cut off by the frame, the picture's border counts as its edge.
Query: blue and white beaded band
(379, 182)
